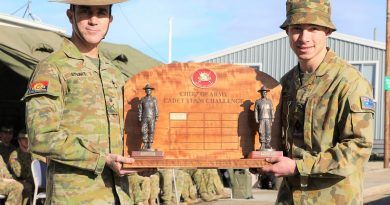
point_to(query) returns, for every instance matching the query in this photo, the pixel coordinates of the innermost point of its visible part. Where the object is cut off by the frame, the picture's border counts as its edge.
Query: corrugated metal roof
(280, 35)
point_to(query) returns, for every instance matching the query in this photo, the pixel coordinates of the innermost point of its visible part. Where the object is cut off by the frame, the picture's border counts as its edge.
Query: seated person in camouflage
(20, 166)
(135, 189)
(214, 184)
(151, 189)
(144, 190)
(208, 184)
(6, 135)
(188, 189)
(167, 186)
(184, 186)
(9, 187)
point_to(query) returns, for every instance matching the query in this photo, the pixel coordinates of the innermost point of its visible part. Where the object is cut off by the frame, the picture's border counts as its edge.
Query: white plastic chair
(38, 169)
(2, 198)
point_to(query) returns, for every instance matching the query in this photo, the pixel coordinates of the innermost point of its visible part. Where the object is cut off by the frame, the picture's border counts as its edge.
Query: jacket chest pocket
(80, 85)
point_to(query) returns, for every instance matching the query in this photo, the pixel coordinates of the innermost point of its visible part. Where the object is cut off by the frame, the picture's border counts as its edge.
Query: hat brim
(308, 19)
(22, 137)
(6, 129)
(262, 90)
(89, 2)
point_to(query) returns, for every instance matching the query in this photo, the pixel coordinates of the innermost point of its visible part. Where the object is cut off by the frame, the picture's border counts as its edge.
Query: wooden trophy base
(196, 163)
(147, 155)
(262, 154)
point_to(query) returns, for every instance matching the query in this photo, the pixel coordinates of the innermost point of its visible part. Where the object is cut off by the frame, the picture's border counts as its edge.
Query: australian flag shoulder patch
(367, 103)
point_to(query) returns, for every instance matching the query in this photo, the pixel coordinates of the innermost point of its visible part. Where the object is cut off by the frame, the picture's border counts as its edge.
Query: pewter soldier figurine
(148, 115)
(264, 117)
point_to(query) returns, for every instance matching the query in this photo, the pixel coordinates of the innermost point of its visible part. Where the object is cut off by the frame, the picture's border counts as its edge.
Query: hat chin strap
(74, 24)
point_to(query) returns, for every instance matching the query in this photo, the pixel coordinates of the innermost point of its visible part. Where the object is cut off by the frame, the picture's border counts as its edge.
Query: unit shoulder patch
(38, 87)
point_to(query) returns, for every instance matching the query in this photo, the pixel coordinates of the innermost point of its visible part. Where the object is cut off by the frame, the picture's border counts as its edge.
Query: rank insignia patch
(38, 87)
(367, 103)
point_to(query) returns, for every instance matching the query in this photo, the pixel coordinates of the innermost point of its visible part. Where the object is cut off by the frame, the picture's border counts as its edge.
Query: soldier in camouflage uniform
(151, 189)
(20, 166)
(186, 190)
(214, 184)
(6, 148)
(74, 113)
(168, 195)
(208, 184)
(327, 116)
(136, 195)
(144, 190)
(187, 187)
(9, 187)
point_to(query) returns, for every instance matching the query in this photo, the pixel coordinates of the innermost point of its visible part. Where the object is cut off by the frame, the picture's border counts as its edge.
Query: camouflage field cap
(89, 2)
(317, 12)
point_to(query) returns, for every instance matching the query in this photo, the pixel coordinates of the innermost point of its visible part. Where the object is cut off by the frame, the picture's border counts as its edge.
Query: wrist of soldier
(101, 162)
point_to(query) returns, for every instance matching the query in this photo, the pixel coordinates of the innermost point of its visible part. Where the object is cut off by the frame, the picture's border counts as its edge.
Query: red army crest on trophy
(204, 78)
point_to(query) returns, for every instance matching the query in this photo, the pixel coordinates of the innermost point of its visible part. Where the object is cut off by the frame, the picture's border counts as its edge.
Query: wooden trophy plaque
(206, 117)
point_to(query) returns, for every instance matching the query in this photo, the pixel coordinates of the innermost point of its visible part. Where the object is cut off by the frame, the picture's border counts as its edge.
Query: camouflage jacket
(4, 173)
(5, 151)
(327, 123)
(20, 165)
(74, 116)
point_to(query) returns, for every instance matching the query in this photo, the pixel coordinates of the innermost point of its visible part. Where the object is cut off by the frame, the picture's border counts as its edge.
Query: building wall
(276, 58)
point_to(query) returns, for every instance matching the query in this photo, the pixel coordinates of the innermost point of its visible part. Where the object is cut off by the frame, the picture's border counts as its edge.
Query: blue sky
(201, 27)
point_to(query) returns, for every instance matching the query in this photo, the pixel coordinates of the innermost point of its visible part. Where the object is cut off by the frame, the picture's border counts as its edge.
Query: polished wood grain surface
(205, 112)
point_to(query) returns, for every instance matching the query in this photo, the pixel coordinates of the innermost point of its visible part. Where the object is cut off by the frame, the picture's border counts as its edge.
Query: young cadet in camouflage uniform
(74, 113)
(6, 148)
(20, 166)
(8, 186)
(327, 116)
